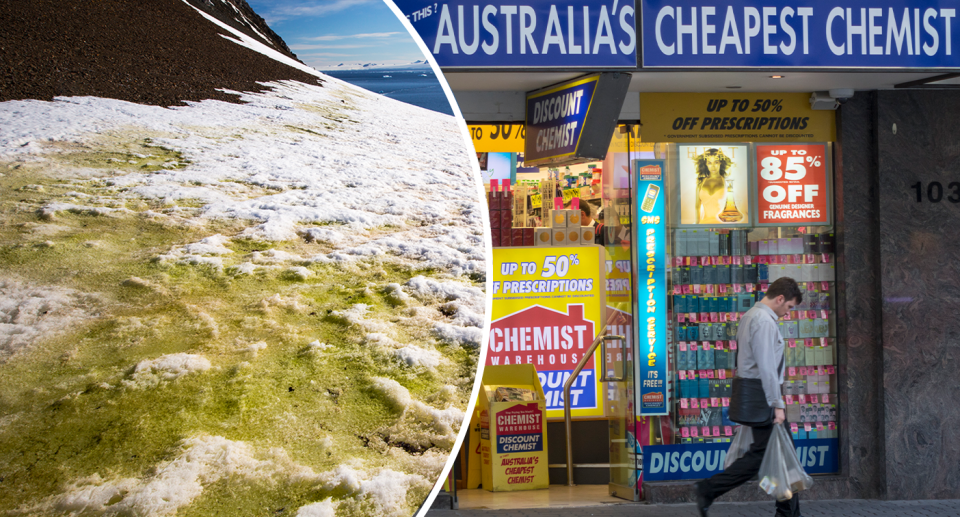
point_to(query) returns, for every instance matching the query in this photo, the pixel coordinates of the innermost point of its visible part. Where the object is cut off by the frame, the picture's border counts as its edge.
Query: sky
(325, 33)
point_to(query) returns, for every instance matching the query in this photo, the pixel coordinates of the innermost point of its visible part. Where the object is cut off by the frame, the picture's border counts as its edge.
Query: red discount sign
(792, 184)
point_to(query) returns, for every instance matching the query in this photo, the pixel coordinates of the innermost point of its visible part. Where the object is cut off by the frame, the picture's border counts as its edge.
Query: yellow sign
(474, 457)
(508, 137)
(498, 138)
(733, 117)
(548, 305)
(536, 200)
(569, 194)
(513, 429)
(618, 143)
(619, 274)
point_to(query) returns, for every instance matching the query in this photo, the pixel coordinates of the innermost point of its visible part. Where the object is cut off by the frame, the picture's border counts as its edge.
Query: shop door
(623, 443)
(620, 355)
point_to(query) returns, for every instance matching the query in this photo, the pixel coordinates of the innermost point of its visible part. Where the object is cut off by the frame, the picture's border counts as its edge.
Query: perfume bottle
(730, 212)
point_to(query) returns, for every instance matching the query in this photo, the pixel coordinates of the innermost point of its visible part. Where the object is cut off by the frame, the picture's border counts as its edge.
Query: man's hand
(778, 416)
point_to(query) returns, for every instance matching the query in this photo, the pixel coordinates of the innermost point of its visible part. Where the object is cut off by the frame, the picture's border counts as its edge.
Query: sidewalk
(842, 508)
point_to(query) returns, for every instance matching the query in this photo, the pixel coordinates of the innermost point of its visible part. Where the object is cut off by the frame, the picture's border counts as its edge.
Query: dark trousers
(743, 470)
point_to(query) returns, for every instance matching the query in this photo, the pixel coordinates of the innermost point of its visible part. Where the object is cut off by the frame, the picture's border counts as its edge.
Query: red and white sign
(792, 184)
(520, 419)
(544, 337)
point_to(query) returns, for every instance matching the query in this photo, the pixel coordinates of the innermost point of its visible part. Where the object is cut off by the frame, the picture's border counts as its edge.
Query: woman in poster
(712, 166)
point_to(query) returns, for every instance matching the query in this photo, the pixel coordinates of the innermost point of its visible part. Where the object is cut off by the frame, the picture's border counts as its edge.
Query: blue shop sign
(702, 460)
(814, 34)
(555, 119)
(652, 283)
(540, 34)
(583, 392)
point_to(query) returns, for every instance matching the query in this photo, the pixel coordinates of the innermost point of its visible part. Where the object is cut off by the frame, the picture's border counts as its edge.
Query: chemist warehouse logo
(650, 173)
(520, 429)
(546, 338)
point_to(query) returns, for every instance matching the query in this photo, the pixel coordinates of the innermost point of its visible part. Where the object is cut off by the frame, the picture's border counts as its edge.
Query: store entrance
(570, 227)
(676, 260)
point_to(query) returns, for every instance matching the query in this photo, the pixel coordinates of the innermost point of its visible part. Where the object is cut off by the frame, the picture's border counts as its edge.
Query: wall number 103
(935, 191)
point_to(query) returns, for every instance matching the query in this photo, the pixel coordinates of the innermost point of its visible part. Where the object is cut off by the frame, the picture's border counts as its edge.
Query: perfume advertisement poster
(714, 189)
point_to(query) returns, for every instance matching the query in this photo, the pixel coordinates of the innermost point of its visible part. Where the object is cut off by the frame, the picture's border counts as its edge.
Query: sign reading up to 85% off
(792, 184)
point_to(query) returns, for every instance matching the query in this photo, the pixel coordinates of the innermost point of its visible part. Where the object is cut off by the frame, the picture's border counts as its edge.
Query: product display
(506, 394)
(718, 275)
(509, 217)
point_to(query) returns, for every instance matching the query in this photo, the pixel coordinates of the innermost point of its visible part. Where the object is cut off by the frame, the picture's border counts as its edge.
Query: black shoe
(703, 502)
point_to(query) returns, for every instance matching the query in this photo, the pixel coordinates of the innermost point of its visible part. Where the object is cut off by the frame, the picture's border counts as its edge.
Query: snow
(319, 346)
(413, 355)
(295, 160)
(459, 336)
(395, 294)
(202, 460)
(29, 313)
(420, 425)
(313, 177)
(299, 272)
(255, 348)
(325, 508)
(357, 315)
(151, 372)
(425, 289)
(322, 235)
(387, 489)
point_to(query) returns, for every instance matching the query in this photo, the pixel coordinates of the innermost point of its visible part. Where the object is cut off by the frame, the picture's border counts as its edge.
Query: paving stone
(843, 508)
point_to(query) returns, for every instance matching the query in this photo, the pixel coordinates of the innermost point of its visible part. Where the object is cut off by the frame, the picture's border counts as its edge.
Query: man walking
(760, 357)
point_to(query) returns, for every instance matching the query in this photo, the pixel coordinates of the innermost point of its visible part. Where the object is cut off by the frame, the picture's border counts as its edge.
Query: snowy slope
(281, 299)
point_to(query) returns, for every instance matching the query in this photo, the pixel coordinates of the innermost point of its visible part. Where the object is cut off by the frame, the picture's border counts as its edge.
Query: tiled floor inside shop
(557, 496)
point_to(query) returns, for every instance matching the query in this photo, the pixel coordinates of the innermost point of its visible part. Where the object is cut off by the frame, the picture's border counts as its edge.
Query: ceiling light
(776, 77)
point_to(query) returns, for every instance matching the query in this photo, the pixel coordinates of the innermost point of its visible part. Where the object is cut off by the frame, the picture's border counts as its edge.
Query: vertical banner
(652, 287)
(793, 184)
(547, 310)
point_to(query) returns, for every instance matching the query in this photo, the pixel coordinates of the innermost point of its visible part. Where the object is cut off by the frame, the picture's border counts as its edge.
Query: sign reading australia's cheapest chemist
(811, 34)
(539, 33)
(575, 120)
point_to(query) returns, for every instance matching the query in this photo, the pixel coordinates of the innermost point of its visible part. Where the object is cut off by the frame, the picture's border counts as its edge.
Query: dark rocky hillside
(159, 52)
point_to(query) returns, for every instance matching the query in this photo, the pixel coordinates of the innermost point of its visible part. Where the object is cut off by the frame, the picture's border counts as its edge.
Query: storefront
(745, 150)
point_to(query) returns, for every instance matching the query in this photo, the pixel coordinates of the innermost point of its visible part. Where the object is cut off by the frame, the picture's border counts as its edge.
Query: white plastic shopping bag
(780, 472)
(741, 443)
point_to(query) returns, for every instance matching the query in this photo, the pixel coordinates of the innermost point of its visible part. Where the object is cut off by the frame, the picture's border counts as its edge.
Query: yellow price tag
(536, 201)
(569, 194)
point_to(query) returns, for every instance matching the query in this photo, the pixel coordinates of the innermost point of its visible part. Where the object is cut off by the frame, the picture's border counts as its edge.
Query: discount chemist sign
(815, 33)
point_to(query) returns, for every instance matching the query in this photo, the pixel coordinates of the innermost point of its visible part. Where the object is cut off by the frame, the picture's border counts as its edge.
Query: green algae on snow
(74, 415)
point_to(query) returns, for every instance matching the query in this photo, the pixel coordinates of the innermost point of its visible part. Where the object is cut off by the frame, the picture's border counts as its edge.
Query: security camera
(823, 101)
(841, 94)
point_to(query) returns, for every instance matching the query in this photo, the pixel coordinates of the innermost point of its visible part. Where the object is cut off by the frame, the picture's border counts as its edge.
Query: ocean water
(419, 87)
